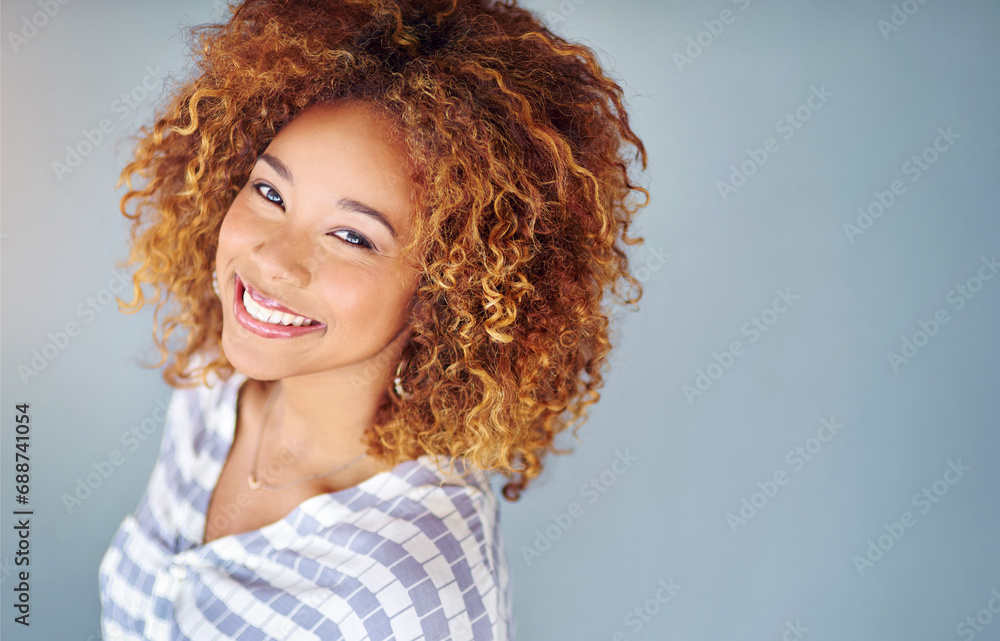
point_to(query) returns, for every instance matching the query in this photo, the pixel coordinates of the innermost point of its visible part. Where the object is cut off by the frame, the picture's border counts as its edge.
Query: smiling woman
(383, 232)
(286, 254)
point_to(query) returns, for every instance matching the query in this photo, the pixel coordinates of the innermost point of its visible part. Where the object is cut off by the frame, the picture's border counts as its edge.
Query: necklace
(256, 484)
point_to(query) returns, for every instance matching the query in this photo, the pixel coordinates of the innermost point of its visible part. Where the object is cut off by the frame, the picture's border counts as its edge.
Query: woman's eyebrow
(278, 167)
(347, 204)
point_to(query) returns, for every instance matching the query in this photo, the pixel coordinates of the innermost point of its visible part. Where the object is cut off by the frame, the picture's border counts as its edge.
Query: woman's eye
(353, 238)
(268, 193)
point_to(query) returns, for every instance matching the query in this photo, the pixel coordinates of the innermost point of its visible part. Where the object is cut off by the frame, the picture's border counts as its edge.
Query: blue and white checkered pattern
(407, 554)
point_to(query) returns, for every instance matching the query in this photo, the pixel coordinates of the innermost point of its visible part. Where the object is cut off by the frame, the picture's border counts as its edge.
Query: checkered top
(406, 554)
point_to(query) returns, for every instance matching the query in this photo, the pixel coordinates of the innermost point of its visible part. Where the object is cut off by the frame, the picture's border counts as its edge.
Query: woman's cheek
(236, 229)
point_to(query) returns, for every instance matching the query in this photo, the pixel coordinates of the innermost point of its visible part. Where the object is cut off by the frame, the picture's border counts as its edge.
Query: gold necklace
(256, 484)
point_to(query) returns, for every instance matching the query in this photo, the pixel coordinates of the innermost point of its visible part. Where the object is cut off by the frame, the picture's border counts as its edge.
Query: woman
(381, 233)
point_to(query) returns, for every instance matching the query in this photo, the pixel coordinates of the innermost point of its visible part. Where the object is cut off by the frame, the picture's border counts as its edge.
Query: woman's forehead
(349, 127)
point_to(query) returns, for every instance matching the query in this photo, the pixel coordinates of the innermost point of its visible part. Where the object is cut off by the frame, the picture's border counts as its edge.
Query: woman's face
(308, 261)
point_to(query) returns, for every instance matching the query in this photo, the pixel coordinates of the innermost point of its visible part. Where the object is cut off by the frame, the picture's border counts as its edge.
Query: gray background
(792, 564)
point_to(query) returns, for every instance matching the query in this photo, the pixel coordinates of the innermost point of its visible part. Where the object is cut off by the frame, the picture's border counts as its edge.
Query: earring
(398, 383)
(215, 283)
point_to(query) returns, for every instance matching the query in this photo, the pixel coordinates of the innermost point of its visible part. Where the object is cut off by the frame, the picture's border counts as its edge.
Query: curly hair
(522, 193)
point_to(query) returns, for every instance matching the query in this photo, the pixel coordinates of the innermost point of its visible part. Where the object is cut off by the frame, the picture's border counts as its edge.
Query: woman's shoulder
(434, 493)
(424, 541)
(433, 478)
(205, 410)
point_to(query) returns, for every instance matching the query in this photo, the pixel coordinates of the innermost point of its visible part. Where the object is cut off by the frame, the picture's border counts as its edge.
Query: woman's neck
(319, 421)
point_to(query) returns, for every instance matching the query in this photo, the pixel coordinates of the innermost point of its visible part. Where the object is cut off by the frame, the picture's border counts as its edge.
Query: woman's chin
(251, 364)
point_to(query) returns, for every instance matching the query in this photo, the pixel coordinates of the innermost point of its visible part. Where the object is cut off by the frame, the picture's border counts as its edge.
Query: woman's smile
(267, 317)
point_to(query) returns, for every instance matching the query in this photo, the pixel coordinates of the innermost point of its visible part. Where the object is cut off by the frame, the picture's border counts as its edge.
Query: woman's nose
(283, 254)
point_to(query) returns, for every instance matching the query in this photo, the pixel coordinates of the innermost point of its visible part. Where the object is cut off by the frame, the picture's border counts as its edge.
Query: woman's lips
(270, 303)
(261, 328)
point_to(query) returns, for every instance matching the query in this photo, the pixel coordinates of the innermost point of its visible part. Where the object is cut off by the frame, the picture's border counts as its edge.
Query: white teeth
(272, 316)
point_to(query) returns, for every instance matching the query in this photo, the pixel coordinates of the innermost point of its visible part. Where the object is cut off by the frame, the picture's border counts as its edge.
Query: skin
(289, 239)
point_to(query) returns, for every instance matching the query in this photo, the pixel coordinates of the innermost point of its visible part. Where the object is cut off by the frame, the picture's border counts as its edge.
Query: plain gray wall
(712, 263)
